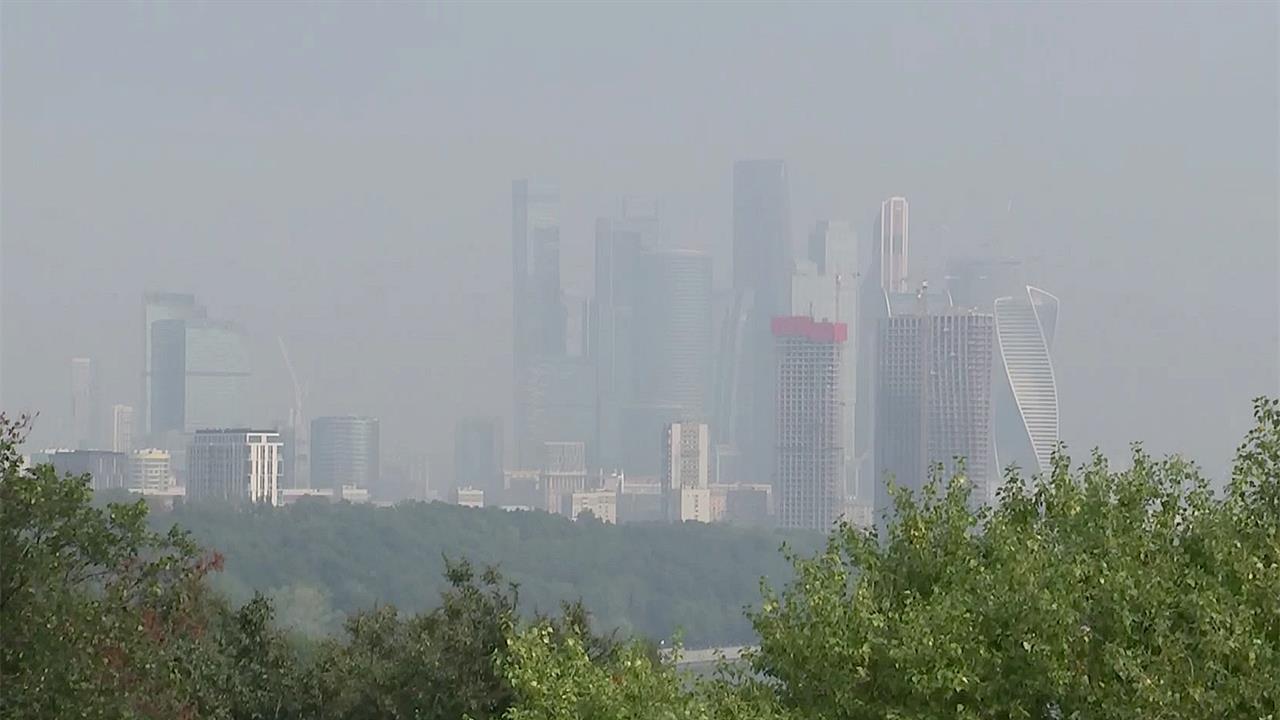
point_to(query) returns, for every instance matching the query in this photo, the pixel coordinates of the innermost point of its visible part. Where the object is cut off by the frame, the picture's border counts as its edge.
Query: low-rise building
(641, 499)
(602, 504)
(289, 496)
(150, 471)
(469, 497)
(106, 470)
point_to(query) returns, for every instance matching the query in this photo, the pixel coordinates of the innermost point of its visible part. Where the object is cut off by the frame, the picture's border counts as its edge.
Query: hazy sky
(340, 175)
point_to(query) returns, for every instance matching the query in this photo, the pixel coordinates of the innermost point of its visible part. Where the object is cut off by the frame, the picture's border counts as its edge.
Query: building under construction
(810, 416)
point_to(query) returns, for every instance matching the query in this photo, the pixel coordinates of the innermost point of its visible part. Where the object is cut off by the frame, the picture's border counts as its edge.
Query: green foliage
(1087, 594)
(648, 580)
(100, 616)
(434, 665)
(555, 676)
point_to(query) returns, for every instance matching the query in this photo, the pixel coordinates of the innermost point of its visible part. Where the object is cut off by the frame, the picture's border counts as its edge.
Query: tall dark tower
(762, 263)
(538, 314)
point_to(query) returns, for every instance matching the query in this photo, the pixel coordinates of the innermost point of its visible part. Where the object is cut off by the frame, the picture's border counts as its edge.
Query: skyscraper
(762, 231)
(810, 415)
(539, 318)
(160, 306)
(892, 245)
(199, 375)
(761, 272)
(824, 288)
(559, 403)
(345, 451)
(121, 428)
(84, 405)
(477, 455)
(1025, 388)
(886, 280)
(234, 466)
(1024, 332)
(673, 331)
(619, 244)
(933, 404)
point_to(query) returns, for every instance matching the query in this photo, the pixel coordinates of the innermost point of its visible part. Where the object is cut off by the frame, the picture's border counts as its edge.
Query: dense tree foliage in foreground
(321, 561)
(1089, 593)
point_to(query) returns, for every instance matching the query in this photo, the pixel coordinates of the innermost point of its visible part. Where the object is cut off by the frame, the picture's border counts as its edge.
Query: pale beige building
(603, 504)
(685, 472)
(469, 497)
(150, 471)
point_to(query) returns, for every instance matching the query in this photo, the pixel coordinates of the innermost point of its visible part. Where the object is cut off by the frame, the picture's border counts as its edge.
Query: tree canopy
(322, 561)
(1094, 593)
(1089, 593)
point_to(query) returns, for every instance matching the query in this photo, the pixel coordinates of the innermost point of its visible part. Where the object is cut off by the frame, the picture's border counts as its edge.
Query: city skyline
(371, 239)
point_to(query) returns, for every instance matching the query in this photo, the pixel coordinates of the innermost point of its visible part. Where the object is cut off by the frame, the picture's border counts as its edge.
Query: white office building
(234, 466)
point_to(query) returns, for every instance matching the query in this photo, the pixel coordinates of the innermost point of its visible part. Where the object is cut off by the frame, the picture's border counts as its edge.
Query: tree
(99, 615)
(555, 676)
(1088, 594)
(433, 665)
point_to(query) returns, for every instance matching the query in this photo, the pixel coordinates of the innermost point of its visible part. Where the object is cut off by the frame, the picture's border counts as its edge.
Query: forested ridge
(321, 561)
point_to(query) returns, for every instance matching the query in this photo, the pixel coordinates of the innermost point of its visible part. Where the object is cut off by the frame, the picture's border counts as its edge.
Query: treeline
(320, 562)
(1088, 593)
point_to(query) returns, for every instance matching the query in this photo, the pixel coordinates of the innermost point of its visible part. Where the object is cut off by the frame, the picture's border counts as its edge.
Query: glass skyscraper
(538, 315)
(155, 307)
(345, 451)
(762, 265)
(199, 376)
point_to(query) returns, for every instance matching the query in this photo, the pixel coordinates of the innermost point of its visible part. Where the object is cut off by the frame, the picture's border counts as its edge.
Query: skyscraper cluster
(795, 393)
(823, 375)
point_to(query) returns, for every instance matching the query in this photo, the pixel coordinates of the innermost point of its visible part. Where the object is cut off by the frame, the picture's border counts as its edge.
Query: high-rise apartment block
(122, 428)
(477, 455)
(345, 451)
(234, 466)
(933, 404)
(810, 421)
(686, 471)
(825, 288)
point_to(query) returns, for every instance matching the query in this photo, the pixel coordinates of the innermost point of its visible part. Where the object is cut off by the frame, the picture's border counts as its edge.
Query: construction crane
(297, 420)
